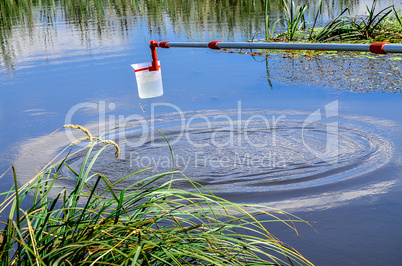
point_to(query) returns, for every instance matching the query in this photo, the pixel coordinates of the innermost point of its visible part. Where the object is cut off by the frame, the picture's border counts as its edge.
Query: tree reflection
(98, 21)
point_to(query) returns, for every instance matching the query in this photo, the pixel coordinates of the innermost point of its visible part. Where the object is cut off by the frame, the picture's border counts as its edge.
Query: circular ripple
(254, 151)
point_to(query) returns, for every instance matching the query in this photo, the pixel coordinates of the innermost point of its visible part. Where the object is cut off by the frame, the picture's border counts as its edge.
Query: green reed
(319, 11)
(295, 18)
(382, 25)
(375, 26)
(335, 30)
(269, 31)
(373, 21)
(143, 224)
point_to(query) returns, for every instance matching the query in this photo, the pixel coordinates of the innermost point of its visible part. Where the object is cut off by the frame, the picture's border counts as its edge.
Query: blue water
(356, 216)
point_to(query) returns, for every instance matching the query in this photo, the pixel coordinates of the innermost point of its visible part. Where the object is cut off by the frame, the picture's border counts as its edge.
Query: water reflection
(360, 73)
(41, 27)
(334, 199)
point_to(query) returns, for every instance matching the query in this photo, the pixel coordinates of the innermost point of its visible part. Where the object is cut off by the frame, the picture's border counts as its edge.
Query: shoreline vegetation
(383, 25)
(49, 223)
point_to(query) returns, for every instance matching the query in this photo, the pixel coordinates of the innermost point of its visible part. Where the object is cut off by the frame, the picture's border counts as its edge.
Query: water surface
(291, 133)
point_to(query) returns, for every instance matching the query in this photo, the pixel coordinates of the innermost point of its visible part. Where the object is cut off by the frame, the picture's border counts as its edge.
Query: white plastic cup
(149, 83)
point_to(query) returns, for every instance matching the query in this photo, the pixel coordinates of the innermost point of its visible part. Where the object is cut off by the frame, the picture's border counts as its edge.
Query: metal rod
(393, 48)
(378, 48)
(298, 46)
(188, 44)
(282, 46)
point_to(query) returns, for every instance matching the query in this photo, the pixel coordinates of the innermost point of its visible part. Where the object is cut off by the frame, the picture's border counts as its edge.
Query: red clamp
(378, 47)
(214, 45)
(164, 44)
(153, 45)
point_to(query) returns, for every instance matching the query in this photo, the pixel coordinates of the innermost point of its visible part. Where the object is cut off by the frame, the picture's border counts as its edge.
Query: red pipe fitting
(164, 44)
(214, 45)
(155, 66)
(378, 47)
(153, 43)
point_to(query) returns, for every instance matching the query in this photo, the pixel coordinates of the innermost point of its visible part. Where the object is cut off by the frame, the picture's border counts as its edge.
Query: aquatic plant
(372, 21)
(143, 224)
(335, 30)
(383, 25)
(319, 11)
(365, 28)
(397, 16)
(295, 20)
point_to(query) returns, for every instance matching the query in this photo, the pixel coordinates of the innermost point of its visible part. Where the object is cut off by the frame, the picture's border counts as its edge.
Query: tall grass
(143, 224)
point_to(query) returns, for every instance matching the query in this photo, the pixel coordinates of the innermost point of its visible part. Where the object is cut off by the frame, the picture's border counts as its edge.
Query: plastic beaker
(149, 83)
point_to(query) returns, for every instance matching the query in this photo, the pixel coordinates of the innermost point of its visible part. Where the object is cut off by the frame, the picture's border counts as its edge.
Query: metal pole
(393, 48)
(299, 46)
(378, 48)
(188, 44)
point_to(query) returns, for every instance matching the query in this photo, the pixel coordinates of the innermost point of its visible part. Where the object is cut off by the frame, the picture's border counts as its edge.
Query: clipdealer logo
(235, 131)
